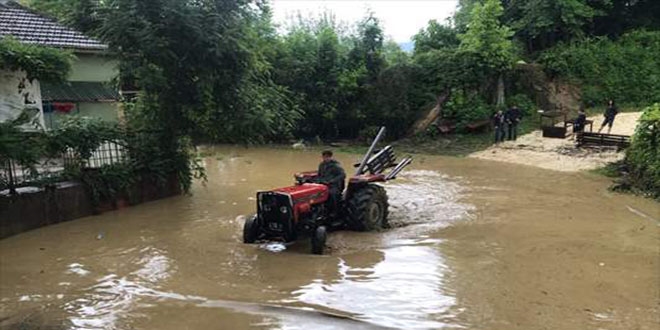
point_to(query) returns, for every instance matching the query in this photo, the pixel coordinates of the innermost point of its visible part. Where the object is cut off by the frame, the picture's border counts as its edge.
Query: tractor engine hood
(311, 193)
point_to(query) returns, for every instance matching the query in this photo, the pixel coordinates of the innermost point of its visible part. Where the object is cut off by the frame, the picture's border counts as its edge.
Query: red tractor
(284, 214)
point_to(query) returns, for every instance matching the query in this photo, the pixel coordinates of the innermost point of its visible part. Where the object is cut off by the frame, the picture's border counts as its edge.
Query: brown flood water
(476, 245)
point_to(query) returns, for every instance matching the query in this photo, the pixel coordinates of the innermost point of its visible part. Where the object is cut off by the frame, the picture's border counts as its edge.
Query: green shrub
(643, 156)
(38, 62)
(465, 108)
(523, 102)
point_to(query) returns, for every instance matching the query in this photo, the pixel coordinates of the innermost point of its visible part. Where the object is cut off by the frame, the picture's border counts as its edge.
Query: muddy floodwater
(474, 245)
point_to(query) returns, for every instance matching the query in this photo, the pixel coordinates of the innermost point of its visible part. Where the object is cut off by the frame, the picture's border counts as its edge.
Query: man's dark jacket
(331, 173)
(513, 116)
(611, 112)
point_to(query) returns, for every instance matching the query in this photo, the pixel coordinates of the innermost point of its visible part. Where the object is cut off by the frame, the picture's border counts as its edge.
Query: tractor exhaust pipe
(363, 163)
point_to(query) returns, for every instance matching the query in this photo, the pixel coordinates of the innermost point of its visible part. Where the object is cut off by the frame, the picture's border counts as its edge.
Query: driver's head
(326, 155)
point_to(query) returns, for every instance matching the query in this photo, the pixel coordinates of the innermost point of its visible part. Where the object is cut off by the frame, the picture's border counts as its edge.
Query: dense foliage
(626, 70)
(41, 63)
(218, 71)
(198, 64)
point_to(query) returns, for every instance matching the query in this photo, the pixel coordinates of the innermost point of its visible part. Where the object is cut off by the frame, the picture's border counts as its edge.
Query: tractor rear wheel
(318, 240)
(250, 229)
(368, 208)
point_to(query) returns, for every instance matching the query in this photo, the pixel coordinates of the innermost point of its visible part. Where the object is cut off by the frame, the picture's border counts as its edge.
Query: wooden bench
(599, 139)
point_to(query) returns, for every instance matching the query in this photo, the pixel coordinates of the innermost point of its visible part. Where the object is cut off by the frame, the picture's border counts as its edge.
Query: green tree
(84, 15)
(491, 40)
(543, 23)
(435, 36)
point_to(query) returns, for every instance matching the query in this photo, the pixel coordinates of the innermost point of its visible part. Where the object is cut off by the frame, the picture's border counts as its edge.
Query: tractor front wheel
(368, 208)
(318, 240)
(250, 229)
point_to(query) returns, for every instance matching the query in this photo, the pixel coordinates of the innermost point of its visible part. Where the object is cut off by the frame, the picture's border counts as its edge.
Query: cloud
(400, 19)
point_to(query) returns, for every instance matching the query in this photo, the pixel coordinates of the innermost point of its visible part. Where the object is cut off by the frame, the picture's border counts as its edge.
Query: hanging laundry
(64, 107)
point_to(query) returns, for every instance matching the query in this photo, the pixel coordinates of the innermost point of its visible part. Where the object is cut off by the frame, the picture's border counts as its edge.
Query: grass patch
(611, 170)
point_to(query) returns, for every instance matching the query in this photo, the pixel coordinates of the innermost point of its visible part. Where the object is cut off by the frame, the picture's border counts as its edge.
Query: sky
(401, 19)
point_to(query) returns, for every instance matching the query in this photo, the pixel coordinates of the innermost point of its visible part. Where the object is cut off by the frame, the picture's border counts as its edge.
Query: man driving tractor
(331, 174)
(318, 203)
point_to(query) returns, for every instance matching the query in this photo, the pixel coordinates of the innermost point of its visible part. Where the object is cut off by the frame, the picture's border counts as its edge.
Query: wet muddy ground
(475, 244)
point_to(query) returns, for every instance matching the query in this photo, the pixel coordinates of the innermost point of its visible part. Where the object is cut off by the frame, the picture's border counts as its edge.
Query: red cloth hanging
(64, 107)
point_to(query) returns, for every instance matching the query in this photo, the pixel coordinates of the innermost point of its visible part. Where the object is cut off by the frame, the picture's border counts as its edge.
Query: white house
(88, 90)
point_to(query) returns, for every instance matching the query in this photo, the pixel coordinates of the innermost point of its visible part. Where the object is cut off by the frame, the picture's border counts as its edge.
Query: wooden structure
(571, 122)
(548, 120)
(599, 139)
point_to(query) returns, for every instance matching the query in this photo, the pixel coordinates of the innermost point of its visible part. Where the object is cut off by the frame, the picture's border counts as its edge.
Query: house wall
(106, 111)
(92, 67)
(18, 93)
(97, 68)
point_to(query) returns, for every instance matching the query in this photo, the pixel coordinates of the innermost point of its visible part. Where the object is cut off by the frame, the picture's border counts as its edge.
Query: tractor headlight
(283, 209)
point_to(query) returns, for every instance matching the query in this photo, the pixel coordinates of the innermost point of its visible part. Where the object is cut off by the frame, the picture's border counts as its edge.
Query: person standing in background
(610, 114)
(498, 123)
(512, 118)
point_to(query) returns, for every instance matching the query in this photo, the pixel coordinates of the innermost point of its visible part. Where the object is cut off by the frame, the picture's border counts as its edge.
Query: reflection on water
(112, 297)
(398, 281)
(403, 289)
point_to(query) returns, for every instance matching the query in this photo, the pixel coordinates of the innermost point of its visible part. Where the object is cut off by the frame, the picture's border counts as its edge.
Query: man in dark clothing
(512, 118)
(610, 113)
(331, 174)
(498, 123)
(578, 125)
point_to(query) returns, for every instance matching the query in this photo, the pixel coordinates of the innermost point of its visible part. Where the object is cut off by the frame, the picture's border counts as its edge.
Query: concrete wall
(92, 67)
(18, 93)
(34, 208)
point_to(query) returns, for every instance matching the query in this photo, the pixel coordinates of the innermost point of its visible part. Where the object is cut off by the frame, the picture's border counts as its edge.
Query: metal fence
(108, 153)
(13, 176)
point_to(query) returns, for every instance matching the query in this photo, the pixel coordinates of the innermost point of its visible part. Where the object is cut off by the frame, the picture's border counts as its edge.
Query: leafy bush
(626, 70)
(524, 103)
(466, 108)
(643, 156)
(38, 62)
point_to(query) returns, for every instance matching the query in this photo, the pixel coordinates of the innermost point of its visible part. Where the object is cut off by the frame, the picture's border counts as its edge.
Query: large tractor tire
(250, 229)
(319, 237)
(368, 208)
